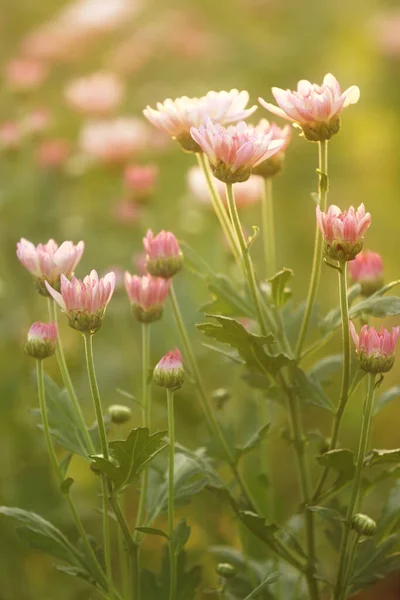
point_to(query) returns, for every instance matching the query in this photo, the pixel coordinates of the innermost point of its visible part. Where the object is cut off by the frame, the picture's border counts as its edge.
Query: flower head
(169, 371)
(273, 165)
(140, 180)
(84, 301)
(97, 95)
(177, 117)
(163, 254)
(113, 142)
(47, 262)
(41, 340)
(147, 295)
(375, 349)
(343, 232)
(367, 270)
(234, 151)
(316, 108)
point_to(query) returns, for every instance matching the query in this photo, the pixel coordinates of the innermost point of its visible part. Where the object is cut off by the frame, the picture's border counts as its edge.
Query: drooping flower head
(177, 117)
(47, 262)
(84, 301)
(97, 95)
(140, 181)
(273, 165)
(367, 270)
(316, 108)
(147, 295)
(169, 371)
(247, 193)
(113, 141)
(343, 232)
(375, 349)
(41, 340)
(235, 150)
(163, 254)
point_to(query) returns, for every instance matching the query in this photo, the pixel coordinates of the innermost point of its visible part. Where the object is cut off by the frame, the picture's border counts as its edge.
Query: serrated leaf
(269, 580)
(308, 389)
(382, 457)
(377, 306)
(253, 442)
(258, 526)
(130, 456)
(340, 460)
(373, 562)
(387, 397)
(280, 293)
(329, 514)
(251, 347)
(181, 536)
(152, 531)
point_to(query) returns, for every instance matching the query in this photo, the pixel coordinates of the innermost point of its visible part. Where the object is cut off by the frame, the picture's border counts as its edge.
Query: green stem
(52, 308)
(268, 228)
(352, 554)
(344, 561)
(123, 564)
(318, 246)
(59, 475)
(219, 208)
(248, 265)
(171, 435)
(131, 546)
(94, 388)
(344, 310)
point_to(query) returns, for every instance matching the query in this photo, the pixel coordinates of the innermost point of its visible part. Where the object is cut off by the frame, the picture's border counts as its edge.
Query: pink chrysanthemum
(163, 254)
(147, 295)
(97, 95)
(375, 349)
(273, 165)
(343, 232)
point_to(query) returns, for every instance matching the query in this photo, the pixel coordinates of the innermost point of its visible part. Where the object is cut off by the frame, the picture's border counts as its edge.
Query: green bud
(226, 570)
(363, 525)
(119, 413)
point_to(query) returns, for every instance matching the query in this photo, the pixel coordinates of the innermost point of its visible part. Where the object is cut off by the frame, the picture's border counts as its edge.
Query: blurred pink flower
(97, 95)
(273, 165)
(235, 150)
(316, 108)
(140, 180)
(247, 193)
(41, 340)
(114, 141)
(84, 301)
(36, 121)
(127, 213)
(139, 262)
(386, 31)
(375, 349)
(169, 372)
(367, 270)
(147, 295)
(177, 117)
(11, 135)
(343, 232)
(24, 74)
(52, 153)
(163, 254)
(98, 15)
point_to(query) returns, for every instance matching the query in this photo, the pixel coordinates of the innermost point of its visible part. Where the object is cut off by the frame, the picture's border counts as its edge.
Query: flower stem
(132, 549)
(318, 246)
(94, 388)
(219, 208)
(344, 309)
(171, 435)
(344, 561)
(59, 475)
(52, 308)
(268, 228)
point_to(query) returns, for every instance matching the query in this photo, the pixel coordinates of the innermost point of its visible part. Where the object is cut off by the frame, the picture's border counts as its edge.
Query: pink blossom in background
(11, 135)
(24, 74)
(375, 349)
(99, 16)
(177, 117)
(52, 153)
(247, 193)
(139, 260)
(367, 269)
(385, 29)
(126, 212)
(316, 108)
(140, 180)
(235, 150)
(36, 121)
(96, 95)
(113, 141)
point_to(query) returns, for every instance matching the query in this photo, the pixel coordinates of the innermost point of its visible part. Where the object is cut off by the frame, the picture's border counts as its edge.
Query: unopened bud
(163, 254)
(119, 413)
(363, 525)
(169, 372)
(226, 570)
(41, 340)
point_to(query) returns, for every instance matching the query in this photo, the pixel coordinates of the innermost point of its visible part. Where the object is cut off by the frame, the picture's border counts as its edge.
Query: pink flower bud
(147, 295)
(177, 117)
(97, 95)
(25, 74)
(273, 165)
(140, 180)
(84, 301)
(367, 270)
(375, 349)
(316, 108)
(234, 151)
(169, 371)
(343, 232)
(41, 340)
(47, 262)
(163, 254)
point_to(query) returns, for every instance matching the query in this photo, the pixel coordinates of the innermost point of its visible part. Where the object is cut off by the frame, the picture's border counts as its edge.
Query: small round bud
(363, 525)
(119, 413)
(169, 372)
(226, 570)
(221, 396)
(41, 340)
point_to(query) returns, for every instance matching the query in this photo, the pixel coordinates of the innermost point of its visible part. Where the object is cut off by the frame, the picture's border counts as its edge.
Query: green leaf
(329, 514)
(258, 526)
(130, 456)
(323, 370)
(340, 460)
(387, 397)
(271, 578)
(250, 347)
(157, 587)
(181, 536)
(253, 442)
(382, 457)
(152, 531)
(308, 389)
(373, 562)
(377, 306)
(280, 293)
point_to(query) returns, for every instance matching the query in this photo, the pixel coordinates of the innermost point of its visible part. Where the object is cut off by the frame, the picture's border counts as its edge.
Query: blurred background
(62, 177)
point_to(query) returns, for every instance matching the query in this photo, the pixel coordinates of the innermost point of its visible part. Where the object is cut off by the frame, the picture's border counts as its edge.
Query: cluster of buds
(41, 340)
(375, 349)
(343, 232)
